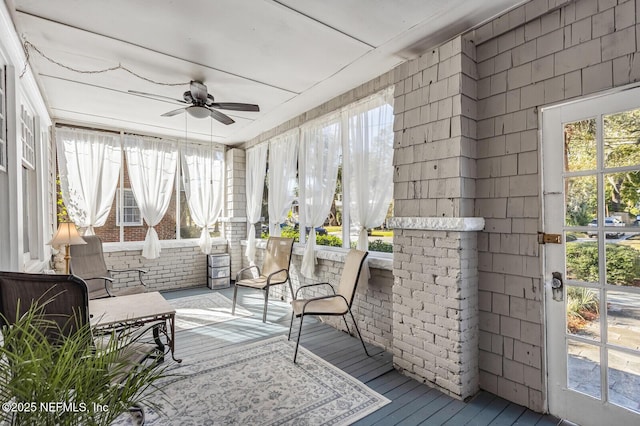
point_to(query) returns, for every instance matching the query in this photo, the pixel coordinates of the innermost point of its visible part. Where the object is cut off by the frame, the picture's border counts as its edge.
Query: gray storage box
(218, 271)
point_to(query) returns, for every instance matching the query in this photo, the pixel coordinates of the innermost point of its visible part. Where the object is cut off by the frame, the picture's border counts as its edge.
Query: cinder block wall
(177, 267)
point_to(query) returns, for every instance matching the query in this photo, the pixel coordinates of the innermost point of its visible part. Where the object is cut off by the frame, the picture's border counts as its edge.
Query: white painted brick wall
(177, 267)
(435, 315)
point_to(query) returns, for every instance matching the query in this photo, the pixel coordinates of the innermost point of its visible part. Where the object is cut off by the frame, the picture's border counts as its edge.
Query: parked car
(608, 221)
(319, 230)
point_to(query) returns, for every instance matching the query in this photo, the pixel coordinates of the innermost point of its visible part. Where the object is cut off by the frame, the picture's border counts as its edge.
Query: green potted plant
(69, 380)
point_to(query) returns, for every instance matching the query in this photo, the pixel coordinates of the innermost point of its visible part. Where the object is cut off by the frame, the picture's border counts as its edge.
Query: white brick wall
(177, 267)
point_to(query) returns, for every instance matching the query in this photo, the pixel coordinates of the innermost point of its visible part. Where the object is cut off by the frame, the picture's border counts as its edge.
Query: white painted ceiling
(287, 56)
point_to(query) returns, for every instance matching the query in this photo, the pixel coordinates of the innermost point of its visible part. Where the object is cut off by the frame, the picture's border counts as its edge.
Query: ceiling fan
(202, 104)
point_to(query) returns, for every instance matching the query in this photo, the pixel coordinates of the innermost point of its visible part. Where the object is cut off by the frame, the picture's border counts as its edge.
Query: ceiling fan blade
(151, 95)
(223, 118)
(172, 113)
(199, 91)
(234, 106)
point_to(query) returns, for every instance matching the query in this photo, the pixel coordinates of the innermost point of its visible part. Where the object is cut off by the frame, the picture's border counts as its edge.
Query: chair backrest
(277, 256)
(351, 274)
(64, 298)
(87, 262)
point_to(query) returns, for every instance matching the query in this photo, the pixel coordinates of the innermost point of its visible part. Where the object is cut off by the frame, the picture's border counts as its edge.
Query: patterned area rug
(205, 309)
(258, 384)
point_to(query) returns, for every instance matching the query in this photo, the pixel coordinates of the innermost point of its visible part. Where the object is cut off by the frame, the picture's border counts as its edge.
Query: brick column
(235, 226)
(435, 291)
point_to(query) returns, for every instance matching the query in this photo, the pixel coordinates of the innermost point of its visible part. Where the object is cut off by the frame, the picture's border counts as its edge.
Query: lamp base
(67, 258)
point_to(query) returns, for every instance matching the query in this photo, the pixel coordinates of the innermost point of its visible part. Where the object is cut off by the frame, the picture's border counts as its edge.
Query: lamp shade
(67, 234)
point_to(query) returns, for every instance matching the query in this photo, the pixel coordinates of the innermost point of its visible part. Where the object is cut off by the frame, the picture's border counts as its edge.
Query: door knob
(556, 286)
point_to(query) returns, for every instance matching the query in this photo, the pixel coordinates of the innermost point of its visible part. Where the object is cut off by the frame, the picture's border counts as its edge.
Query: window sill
(165, 244)
(377, 260)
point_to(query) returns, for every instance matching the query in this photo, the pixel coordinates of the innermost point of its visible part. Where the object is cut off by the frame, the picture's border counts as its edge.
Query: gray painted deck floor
(412, 403)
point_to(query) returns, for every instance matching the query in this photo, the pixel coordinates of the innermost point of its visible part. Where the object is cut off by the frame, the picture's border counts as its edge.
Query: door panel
(591, 186)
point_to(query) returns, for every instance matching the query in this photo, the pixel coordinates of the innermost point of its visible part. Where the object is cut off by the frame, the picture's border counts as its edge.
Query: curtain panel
(283, 168)
(256, 165)
(319, 160)
(152, 168)
(203, 180)
(370, 145)
(89, 165)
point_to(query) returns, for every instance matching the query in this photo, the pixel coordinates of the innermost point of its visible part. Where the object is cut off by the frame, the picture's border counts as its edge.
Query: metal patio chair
(336, 304)
(274, 271)
(87, 262)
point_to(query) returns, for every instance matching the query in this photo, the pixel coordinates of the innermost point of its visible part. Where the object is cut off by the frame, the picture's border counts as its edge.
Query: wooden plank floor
(412, 403)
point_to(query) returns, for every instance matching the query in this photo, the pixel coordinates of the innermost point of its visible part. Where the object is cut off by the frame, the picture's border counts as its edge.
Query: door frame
(557, 399)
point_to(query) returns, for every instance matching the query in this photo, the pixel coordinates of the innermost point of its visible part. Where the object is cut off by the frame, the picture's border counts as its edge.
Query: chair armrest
(139, 271)
(108, 283)
(246, 269)
(330, 296)
(313, 285)
(286, 271)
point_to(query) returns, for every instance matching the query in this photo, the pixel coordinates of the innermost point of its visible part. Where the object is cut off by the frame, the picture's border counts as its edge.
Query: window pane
(583, 312)
(623, 319)
(624, 379)
(583, 368)
(26, 221)
(621, 137)
(581, 200)
(622, 264)
(580, 145)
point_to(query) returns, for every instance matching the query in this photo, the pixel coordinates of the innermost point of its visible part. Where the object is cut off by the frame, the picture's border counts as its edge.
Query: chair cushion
(259, 282)
(331, 306)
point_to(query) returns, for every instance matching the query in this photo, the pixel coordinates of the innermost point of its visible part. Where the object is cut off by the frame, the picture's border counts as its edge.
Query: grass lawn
(374, 232)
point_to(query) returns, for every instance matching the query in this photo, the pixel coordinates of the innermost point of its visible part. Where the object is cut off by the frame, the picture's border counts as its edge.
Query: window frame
(123, 195)
(345, 161)
(3, 119)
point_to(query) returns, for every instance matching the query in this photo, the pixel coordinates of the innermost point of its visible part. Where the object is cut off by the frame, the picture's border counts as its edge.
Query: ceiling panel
(288, 56)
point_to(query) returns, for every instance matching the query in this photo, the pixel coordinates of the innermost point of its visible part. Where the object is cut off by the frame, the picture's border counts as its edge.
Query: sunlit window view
(602, 217)
(357, 156)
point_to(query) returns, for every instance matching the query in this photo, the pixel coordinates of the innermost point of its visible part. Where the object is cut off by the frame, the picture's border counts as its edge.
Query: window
(365, 168)
(125, 222)
(3, 122)
(129, 213)
(29, 184)
(27, 125)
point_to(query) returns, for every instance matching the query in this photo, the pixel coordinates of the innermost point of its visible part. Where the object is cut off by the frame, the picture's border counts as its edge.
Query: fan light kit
(198, 111)
(202, 104)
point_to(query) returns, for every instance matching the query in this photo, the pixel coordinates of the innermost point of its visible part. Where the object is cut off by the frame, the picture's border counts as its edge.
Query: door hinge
(544, 238)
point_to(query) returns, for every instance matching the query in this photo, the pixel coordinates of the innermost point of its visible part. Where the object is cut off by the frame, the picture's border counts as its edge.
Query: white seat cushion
(334, 305)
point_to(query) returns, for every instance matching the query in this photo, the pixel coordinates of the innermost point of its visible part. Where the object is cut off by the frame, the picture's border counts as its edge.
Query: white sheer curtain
(203, 180)
(256, 171)
(283, 166)
(319, 161)
(152, 169)
(371, 162)
(89, 164)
